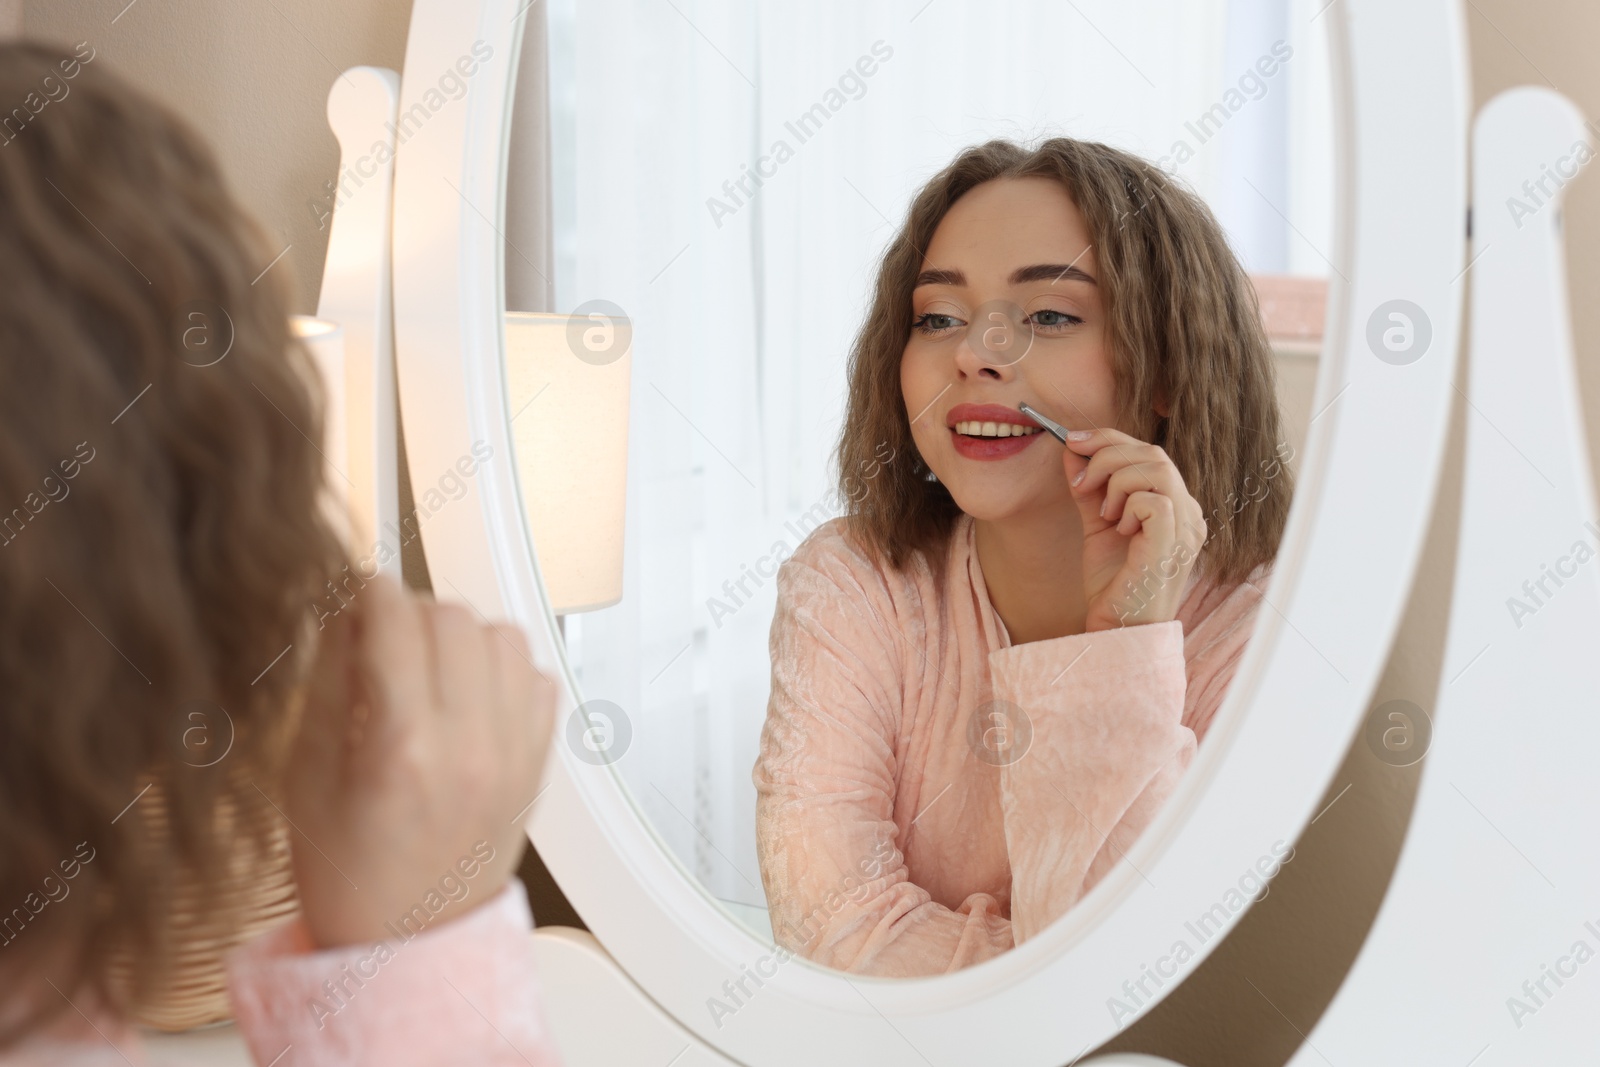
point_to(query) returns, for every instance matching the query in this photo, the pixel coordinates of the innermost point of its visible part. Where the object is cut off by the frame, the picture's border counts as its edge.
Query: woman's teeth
(994, 429)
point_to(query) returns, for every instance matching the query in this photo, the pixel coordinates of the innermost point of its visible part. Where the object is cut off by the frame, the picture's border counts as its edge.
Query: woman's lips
(989, 448)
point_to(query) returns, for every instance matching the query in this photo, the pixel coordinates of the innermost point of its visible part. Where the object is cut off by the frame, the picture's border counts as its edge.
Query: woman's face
(1006, 309)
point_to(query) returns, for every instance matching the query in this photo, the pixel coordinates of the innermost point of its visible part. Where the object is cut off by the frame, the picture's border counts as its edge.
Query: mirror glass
(941, 775)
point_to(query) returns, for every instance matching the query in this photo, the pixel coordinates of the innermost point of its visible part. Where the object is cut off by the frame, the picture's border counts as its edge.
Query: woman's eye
(1055, 320)
(933, 323)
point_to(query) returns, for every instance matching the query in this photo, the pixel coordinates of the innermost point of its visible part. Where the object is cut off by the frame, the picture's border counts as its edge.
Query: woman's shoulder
(830, 544)
(1216, 607)
(834, 554)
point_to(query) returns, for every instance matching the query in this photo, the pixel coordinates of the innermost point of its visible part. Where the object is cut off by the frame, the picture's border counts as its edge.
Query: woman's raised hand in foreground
(423, 741)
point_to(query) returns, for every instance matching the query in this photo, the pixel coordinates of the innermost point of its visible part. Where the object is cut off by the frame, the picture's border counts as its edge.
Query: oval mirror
(798, 789)
(796, 141)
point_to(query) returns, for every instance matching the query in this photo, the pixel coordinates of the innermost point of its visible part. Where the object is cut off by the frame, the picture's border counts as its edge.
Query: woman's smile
(989, 431)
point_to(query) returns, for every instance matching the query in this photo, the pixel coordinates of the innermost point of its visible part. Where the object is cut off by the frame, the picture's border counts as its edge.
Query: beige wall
(255, 77)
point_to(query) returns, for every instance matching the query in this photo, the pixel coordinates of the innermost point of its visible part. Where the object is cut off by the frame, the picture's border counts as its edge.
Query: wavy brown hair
(161, 529)
(1181, 321)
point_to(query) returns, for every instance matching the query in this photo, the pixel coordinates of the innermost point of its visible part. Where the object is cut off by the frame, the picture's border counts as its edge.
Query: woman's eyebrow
(940, 277)
(1051, 272)
(1038, 272)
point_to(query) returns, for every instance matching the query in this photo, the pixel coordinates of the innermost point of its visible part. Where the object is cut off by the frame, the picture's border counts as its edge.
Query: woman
(992, 671)
(166, 555)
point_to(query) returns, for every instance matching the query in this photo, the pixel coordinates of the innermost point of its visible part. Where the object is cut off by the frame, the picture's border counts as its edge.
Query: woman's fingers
(462, 659)
(1094, 440)
(1106, 457)
(459, 725)
(1154, 477)
(513, 635)
(1136, 488)
(1153, 513)
(394, 651)
(514, 701)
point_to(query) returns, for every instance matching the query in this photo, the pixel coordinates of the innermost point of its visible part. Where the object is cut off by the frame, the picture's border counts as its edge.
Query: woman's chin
(990, 503)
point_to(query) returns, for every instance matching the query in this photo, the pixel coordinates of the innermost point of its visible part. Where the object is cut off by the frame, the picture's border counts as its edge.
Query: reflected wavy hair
(162, 532)
(1181, 319)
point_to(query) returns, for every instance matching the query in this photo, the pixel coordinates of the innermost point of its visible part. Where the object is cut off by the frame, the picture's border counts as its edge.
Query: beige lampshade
(567, 378)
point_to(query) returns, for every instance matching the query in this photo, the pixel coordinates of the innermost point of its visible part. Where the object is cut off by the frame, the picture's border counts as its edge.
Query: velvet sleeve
(460, 992)
(1108, 745)
(1116, 717)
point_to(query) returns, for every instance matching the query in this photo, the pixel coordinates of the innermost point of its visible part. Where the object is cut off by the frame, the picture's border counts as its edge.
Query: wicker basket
(196, 991)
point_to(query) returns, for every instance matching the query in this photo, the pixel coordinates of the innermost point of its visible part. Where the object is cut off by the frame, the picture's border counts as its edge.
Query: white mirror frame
(1509, 781)
(1365, 493)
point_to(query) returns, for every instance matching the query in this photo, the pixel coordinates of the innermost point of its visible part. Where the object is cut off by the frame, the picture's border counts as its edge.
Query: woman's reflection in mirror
(1002, 657)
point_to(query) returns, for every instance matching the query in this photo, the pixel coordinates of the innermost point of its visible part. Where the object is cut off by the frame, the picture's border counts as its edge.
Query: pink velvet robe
(887, 846)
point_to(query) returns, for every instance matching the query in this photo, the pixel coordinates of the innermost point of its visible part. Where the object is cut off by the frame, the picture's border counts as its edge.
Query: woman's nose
(996, 340)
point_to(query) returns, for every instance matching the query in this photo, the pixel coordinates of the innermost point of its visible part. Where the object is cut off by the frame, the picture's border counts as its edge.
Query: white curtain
(744, 302)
